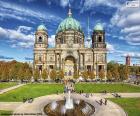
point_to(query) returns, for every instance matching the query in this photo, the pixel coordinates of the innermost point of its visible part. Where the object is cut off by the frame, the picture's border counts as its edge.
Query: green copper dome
(98, 27)
(69, 23)
(41, 28)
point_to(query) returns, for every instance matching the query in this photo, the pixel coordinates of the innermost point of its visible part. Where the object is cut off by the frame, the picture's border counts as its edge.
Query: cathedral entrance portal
(69, 67)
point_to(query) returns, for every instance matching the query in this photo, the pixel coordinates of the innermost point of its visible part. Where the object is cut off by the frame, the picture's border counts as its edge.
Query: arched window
(40, 39)
(40, 67)
(100, 39)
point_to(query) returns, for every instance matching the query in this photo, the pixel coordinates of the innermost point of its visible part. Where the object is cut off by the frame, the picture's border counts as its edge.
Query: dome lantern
(41, 28)
(70, 13)
(98, 27)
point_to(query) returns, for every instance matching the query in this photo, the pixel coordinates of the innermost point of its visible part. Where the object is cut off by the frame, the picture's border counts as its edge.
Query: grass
(130, 105)
(96, 88)
(36, 90)
(5, 113)
(31, 91)
(4, 85)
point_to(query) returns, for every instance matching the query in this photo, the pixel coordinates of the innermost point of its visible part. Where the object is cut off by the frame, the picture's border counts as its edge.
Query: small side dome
(98, 27)
(41, 28)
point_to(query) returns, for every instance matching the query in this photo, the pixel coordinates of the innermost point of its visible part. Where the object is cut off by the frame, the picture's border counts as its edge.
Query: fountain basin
(80, 108)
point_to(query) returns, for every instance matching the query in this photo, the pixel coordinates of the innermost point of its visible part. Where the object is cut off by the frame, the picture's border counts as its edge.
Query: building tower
(40, 48)
(100, 51)
(128, 60)
(88, 37)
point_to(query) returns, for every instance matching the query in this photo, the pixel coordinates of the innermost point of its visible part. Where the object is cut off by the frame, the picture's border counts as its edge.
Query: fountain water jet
(69, 102)
(53, 105)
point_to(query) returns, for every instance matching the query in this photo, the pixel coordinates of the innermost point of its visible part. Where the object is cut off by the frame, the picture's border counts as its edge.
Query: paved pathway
(111, 109)
(9, 106)
(123, 95)
(10, 88)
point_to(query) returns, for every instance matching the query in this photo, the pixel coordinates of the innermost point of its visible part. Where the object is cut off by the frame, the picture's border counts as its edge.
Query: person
(91, 94)
(105, 101)
(101, 101)
(24, 100)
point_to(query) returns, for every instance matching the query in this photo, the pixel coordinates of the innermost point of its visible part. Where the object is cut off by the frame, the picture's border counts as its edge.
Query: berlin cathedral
(70, 53)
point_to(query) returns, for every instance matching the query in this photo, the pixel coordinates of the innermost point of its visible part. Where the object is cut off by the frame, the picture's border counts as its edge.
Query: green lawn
(31, 90)
(4, 85)
(36, 90)
(130, 105)
(5, 113)
(96, 88)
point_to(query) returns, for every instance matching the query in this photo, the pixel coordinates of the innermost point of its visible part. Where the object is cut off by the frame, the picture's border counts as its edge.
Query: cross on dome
(69, 13)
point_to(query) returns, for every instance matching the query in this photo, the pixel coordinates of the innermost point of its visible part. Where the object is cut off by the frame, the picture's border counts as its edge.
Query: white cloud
(64, 3)
(89, 4)
(128, 19)
(10, 10)
(17, 38)
(51, 41)
(110, 48)
(25, 44)
(24, 29)
(131, 29)
(132, 54)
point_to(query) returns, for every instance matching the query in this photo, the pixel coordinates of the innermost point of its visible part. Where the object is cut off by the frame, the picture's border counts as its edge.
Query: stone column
(105, 68)
(96, 62)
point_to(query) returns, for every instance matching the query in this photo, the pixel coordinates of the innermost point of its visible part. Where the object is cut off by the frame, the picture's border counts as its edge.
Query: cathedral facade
(70, 53)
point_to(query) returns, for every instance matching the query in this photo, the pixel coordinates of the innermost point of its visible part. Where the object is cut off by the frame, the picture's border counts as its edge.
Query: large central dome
(69, 23)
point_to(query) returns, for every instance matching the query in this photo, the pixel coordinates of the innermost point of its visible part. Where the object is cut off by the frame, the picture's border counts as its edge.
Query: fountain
(69, 102)
(69, 107)
(53, 105)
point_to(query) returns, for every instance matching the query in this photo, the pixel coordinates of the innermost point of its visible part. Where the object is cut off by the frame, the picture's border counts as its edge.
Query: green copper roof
(69, 23)
(41, 28)
(98, 27)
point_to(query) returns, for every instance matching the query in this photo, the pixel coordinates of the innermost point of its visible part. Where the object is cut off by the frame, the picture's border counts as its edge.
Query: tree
(21, 74)
(28, 73)
(61, 74)
(14, 70)
(76, 75)
(85, 74)
(125, 73)
(44, 74)
(101, 74)
(91, 75)
(36, 74)
(109, 75)
(115, 72)
(53, 74)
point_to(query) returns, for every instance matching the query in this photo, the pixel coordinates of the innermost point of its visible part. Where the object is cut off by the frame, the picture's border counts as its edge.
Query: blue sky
(20, 18)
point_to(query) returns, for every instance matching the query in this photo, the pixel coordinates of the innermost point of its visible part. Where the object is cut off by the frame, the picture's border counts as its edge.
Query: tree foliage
(36, 74)
(85, 74)
(14, 70)
(44, 74)
(53, 74)
(76, 74)
(109, 75)
(61, 74)
(101, 74)
(121, 72)
(91, 75)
